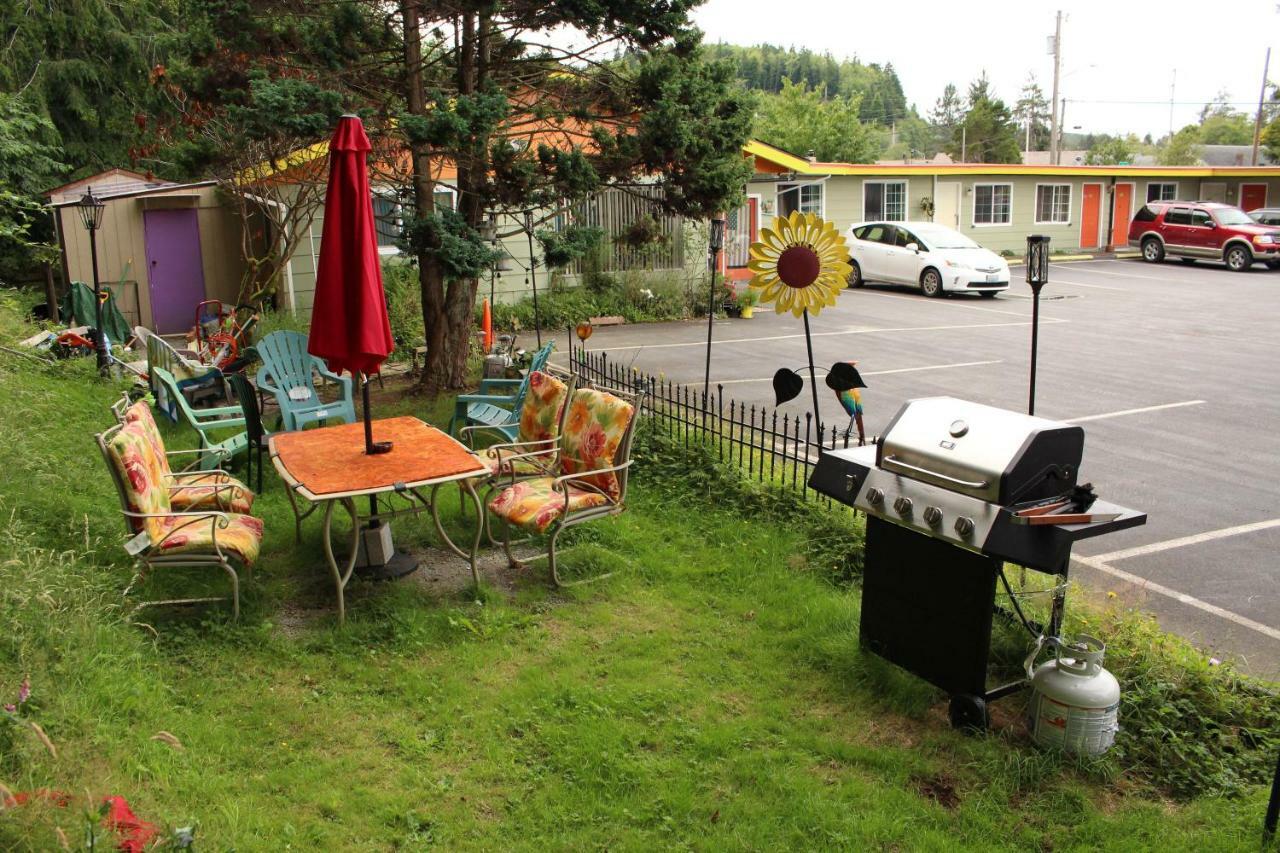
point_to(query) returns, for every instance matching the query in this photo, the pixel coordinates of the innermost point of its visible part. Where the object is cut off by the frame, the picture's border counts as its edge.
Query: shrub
(404, 305)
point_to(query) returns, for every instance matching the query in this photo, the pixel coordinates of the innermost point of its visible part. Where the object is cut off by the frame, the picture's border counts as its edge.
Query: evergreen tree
(1033, 114)
(988, 133)
(947, 115)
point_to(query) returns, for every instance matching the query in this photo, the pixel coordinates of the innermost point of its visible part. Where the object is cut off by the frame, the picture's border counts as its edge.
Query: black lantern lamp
(715, 243)
(1037, 278)
(91, 209)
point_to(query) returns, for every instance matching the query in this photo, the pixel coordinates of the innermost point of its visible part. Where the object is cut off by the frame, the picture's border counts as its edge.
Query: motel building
(1081, 208)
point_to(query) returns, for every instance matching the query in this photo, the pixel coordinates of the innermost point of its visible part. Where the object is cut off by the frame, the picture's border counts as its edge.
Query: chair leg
(506, 546)
(235, 590)
(261, 450)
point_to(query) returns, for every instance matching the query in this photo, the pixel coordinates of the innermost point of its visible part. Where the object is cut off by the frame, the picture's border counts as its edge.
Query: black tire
(969, 714)
(931, 283)
(1273, 265)
(855, 275)
(1187, 260)
(1238, 258)
(1152, 250)
(988, 294)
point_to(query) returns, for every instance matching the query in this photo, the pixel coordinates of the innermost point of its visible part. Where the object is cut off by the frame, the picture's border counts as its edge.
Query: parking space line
(1184, 541)
(871, 330)
(1143, 410)
(1100, 565)
(880, 372)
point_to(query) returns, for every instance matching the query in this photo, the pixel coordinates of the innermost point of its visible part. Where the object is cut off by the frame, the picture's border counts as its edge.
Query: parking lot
(1172, 370)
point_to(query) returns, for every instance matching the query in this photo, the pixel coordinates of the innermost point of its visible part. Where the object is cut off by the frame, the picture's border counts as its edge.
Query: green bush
(636, 296)
(404, 306)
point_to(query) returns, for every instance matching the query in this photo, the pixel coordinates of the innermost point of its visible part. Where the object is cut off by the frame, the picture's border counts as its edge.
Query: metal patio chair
(589, 480)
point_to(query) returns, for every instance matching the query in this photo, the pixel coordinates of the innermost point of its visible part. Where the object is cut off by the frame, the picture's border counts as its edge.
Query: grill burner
(952, 491)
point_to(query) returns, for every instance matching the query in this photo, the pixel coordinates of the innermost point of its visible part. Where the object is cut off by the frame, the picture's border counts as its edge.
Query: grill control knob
(932, 516)
(875, 496)
(964, 526)
(903, 505)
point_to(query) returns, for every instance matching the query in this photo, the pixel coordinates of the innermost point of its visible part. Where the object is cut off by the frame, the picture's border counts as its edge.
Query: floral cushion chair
(533, 452)
(162, 536)
(213, 489)
(589, 479)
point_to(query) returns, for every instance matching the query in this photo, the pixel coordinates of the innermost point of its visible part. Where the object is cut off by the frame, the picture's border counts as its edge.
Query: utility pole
(1056, 130)
(1173, 87)
(964, 143)
(1257, 123)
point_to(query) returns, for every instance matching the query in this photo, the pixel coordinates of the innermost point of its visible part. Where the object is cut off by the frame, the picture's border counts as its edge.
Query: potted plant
(747, 300)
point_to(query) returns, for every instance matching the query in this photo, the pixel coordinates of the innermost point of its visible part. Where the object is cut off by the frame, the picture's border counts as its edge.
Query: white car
(935, 258)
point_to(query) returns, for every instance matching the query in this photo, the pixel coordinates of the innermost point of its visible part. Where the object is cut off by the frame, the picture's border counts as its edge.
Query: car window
(1178, 216)
(903, 237)
(877, 234)
(1147, 214)
(1201, 219)
(1270, 219)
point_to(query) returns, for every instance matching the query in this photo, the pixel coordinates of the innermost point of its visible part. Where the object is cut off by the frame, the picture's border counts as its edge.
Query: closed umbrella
(349, 325)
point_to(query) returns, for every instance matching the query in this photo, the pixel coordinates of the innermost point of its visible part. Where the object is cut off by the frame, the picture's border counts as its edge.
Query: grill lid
(991, 454)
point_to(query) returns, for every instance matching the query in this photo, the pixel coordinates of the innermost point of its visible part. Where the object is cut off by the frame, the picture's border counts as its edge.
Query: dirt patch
(940, 788)
(443, 574)
(292, 621)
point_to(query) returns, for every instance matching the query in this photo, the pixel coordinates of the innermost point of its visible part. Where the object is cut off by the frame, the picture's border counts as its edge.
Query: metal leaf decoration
(841, 377)
(787, 385)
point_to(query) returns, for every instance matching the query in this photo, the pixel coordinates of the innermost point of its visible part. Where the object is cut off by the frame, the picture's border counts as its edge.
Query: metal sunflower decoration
(801, 262)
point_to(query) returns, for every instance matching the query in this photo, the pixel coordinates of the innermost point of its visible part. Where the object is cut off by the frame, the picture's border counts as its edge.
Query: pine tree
(988, 133)
(1032, 113)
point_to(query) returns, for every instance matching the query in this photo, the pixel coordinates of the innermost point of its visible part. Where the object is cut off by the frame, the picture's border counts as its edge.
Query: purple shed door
(173, 268)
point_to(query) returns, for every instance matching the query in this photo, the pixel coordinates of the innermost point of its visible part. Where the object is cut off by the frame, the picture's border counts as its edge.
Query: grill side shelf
(1047, 547)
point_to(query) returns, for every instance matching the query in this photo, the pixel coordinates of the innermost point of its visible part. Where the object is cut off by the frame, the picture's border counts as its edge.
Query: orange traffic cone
(486, 326)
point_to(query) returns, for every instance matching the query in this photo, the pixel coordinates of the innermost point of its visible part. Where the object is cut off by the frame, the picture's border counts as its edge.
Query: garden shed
(162, 247)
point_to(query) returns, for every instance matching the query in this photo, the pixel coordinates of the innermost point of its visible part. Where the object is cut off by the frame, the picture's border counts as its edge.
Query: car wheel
(1273, 265)
(1187, 260)
(931, 282)
(1239, 259)
(988, 294)
(1152, 250)
(855, 275)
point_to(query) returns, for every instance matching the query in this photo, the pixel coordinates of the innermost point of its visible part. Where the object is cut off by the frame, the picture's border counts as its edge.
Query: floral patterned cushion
(237, 499)
(543, 405)
(535, 504)
(242, 537)
(134, 458)
(596, 423)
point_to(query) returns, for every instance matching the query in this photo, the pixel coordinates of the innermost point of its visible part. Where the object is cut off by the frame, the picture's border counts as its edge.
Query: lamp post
(714, 245)
(1037, 278)
(91, 209)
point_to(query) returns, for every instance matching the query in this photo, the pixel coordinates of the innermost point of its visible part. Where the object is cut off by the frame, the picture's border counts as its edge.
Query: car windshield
(1232, 216)
(944, 238)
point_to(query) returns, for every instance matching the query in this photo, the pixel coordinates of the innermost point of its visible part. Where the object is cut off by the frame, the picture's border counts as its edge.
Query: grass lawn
(710, 696)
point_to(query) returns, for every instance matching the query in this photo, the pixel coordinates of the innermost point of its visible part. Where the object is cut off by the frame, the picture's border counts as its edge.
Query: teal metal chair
(494, 409)
(214, 454)
(288, 373)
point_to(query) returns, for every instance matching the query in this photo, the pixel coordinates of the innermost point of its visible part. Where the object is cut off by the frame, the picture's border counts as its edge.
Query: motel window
(386, 220)
(992, 204)
(884, 200)
(1162, 192)
(1053, 204)
(806, 198)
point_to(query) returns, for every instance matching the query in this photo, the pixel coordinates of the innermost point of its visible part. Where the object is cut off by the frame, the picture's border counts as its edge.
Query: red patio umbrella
(349, 325)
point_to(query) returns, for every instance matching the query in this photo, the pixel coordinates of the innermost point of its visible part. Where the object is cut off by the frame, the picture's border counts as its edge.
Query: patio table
(328, 467)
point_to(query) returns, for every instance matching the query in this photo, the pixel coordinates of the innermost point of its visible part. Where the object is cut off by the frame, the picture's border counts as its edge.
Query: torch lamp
(91, 209)
(1037, 278)
(715, 244)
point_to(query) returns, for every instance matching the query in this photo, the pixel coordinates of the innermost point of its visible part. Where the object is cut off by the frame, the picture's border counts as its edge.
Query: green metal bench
(491, 408)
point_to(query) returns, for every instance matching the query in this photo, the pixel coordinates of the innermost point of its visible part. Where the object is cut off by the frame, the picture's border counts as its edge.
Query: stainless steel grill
(952, 491)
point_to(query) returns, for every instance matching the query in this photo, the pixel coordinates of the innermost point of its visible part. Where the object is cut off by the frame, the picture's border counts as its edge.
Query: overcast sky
(1118, 56)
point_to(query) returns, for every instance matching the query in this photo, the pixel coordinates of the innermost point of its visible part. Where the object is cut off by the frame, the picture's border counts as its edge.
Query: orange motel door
(1089, 216)
(1121, 213)
(1253, 196)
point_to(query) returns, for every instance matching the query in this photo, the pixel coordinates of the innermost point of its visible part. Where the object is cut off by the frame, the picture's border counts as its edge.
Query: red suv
(1203, 229)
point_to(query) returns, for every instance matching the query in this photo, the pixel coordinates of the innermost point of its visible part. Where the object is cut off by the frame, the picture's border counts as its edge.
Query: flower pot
(748, 311)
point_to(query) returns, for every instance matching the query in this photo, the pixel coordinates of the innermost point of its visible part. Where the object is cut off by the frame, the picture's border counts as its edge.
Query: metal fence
(769, 447)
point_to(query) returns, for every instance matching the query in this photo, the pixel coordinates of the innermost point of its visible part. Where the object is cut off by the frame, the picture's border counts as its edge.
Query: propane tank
(1075, 703)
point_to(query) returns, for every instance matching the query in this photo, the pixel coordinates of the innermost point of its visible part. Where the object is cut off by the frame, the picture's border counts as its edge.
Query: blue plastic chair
(491, 408)
(214, 453)
(288, 373)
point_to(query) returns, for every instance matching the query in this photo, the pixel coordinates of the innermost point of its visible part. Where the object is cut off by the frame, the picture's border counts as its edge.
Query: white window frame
(797, 187)
(388, 194)
(973, 208)
(1070, 193)
(1151, 184)
(906, 200)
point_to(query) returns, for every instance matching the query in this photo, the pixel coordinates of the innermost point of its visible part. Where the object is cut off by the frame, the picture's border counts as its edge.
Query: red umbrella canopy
(349, 325)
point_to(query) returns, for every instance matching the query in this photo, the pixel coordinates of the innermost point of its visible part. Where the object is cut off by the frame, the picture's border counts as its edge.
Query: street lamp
(91, 209)
(1037, 278)
(714, 244)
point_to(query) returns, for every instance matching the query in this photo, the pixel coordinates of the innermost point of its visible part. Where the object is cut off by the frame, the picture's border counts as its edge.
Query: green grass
(709, 696)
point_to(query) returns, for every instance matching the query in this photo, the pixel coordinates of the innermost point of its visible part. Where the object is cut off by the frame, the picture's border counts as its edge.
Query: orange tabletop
(332, 461)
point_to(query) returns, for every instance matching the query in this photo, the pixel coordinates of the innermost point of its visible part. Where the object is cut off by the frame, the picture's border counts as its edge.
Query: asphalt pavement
(1171, 369)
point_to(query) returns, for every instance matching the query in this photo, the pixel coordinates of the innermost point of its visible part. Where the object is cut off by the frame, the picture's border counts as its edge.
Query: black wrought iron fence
(770, 447)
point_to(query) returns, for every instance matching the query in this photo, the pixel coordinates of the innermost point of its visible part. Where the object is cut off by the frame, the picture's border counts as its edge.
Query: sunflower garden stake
(800, 262)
